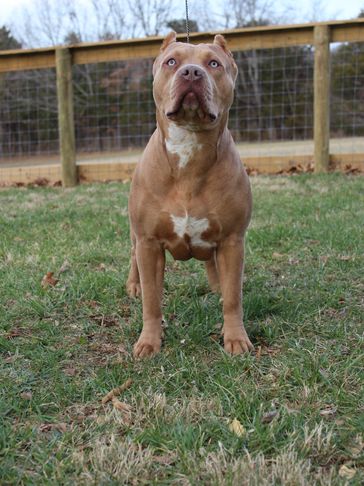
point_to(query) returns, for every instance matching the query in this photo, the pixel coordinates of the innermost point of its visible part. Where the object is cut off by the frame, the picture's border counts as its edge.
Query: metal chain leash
(187, 23)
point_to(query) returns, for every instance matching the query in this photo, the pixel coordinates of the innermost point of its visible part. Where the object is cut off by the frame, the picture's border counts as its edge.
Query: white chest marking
(183, 143)
(193, 227)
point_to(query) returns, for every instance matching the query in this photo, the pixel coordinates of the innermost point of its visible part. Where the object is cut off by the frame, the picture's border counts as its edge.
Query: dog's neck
(190, 151)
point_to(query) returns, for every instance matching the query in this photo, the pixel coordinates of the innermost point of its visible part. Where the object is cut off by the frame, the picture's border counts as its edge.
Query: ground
(292, 413)
(352, 145)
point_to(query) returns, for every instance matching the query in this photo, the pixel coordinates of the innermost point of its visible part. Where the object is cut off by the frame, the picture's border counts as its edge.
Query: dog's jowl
(190, 194)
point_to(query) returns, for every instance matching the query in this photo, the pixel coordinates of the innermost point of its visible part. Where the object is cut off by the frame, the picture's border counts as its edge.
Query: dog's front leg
(150, 260)
(230, 256)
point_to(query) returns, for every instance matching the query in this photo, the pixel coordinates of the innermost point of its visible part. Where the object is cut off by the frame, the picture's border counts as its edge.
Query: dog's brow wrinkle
(183, 143)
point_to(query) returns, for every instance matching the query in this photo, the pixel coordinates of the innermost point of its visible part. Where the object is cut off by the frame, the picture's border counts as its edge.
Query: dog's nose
(191, 72)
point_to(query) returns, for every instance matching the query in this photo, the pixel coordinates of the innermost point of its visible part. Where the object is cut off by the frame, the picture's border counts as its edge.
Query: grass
(298, 401)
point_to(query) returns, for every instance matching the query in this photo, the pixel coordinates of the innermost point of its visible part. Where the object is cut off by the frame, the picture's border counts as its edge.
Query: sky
(337, 9)
(302, 11)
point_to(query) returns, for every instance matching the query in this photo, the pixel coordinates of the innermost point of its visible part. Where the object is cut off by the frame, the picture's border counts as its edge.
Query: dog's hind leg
(212, 274)
(133, 283)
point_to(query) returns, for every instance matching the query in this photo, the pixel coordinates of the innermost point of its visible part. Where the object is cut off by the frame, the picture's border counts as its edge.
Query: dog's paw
(237, 344)
(146, 347)
(133, 289)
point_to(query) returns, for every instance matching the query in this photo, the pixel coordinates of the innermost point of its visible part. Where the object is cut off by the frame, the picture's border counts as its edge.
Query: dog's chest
(188, 235)
(191, 229)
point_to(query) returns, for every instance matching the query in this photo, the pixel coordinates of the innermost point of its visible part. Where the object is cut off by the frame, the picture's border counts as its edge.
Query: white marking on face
(183, 143)
(193, 227)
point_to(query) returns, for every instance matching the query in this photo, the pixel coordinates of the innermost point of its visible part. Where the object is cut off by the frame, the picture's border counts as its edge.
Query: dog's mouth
(191, 104)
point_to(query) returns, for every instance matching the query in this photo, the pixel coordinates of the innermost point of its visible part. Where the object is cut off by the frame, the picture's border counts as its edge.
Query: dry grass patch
(296, 404)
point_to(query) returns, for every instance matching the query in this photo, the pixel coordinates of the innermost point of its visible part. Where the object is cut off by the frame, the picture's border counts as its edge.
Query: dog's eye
(214, 64)
(171, 62)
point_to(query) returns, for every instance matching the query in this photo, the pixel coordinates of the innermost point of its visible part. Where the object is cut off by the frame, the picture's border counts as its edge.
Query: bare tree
(41, 23)
(111, 19)
(240, 13)
(150, 16)
(51, 22)
(318, 11)
(206, 15)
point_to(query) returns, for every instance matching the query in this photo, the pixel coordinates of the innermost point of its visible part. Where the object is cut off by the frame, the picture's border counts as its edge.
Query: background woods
(113, 103)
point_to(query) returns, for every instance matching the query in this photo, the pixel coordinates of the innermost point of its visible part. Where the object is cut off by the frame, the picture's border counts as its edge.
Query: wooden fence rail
(320, 35)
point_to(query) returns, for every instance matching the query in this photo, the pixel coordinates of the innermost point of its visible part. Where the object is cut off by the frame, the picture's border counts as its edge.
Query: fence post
(322, 98)
(66, 126)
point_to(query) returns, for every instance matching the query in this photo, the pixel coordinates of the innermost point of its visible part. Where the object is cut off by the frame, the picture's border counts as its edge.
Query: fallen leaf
(357, 447)
(236, 428)
(328, 411)
(17, 332)
(347, 472)
(61, 427)
(125, 311)
(291, 410)
(294, 169)
(277, 255)
(70, 371)
(252, 172)
(268, 350)
(92, 303)
(49, 280)
(269, 416)
(105, 321)
(293, 261)
(349, 169)
(65, 267)
(273, 351)
(345, 258)
(41, 181)
(116, 391)
(121, 406)
(13, 357)
(331, 312)
(165, 459)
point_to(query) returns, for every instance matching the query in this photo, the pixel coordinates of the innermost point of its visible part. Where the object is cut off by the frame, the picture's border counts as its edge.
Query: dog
(190, 193)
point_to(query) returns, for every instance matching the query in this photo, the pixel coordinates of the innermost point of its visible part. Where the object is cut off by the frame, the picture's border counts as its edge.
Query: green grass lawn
(298, 401)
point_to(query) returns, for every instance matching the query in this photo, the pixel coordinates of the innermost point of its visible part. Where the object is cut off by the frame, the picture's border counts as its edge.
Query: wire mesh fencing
(347, 93)
(28, 123)
(347, 99)
(114, 108)
(114, 112)
(273, 95)
(28, 113)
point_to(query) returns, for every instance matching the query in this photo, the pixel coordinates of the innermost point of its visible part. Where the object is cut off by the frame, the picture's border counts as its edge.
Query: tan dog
(190, 194)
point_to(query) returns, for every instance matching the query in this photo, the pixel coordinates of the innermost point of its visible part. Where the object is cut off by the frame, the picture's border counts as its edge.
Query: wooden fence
(320, 35)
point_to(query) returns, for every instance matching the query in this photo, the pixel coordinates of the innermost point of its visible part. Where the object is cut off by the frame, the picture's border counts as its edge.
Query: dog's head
(194, 84)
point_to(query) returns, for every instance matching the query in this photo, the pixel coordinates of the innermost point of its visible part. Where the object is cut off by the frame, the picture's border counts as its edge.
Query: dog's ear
(171, 37)
(219, 40)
